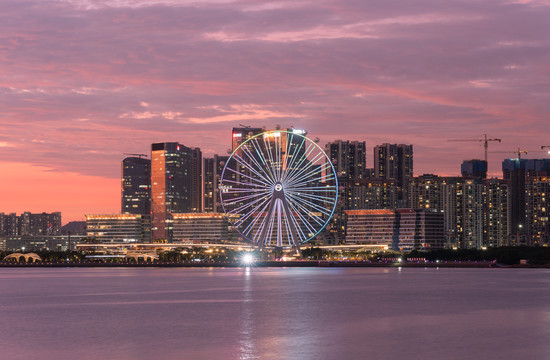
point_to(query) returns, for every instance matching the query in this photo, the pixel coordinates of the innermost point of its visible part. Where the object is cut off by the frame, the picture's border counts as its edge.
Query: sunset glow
(82, 82)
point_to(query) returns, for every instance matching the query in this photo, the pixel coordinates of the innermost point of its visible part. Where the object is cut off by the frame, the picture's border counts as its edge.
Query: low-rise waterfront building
(202, 227)
(400, 229)
(27, 243)
(123, 228)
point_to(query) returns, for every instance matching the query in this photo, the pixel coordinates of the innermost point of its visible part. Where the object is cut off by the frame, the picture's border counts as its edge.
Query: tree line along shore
(311, 256)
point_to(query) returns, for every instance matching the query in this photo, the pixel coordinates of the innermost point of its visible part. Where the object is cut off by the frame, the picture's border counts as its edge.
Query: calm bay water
(274, 313)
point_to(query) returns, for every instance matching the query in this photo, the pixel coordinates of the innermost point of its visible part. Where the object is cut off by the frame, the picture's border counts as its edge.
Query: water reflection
(247, 327)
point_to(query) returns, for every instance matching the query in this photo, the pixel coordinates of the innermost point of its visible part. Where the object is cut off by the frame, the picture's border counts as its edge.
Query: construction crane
(138, 155)
(518, 151)
(485, 141)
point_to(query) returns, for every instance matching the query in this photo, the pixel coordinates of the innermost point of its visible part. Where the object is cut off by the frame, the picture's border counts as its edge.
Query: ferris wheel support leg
(263, 235)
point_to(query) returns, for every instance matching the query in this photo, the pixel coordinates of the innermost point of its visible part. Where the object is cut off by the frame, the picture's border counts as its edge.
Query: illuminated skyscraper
(394, 161)
(518, 172)
(136, 186)
(241, 134)
(349, 161)
(213, 168)
(175, 185)
(537, 209)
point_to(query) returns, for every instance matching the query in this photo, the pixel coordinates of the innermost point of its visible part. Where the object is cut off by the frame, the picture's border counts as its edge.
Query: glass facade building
(136, 186)
(176, 185)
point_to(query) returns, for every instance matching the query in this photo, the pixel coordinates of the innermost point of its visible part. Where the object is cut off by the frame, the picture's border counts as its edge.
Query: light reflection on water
(247, 330)
(274, 313)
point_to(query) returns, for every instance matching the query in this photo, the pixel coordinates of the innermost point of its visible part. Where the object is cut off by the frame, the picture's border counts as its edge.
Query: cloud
(82, 82)
(242, 113)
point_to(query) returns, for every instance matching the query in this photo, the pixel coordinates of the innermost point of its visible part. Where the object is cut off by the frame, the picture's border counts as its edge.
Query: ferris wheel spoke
(249, 177)
(284, 163)
(278, 213)
(269, 152)
(266, 235)
(248, 205)
(328, 188)
(313, 205)
(254, 158)
(247, 215)
(289, 232)
(293, 156)
(276, 157)
(243, 190)
(263, 159)
(265, 222)
(308, 172)
(250, 168)
(236, 199)
(303, 158)
(307, 169)
(251, 225)
(304, 166)
(297, 223)
(282, 155)
(240, 183)
(311, 196)
(297, 205)
(321, 191)
(271, 229)
(313, 175)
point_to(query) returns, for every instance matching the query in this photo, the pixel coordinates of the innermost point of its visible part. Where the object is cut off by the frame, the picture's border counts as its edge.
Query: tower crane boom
(485, 141)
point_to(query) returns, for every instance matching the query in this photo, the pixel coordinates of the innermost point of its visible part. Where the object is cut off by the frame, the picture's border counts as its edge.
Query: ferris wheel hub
(278, 187)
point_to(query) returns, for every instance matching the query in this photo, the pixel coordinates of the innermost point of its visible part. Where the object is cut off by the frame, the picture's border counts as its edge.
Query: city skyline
(84, 82)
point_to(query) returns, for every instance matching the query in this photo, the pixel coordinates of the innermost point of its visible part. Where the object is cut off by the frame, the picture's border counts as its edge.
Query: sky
(82, 82)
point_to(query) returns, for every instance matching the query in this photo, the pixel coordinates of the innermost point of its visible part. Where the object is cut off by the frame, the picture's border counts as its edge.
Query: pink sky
(82, 82)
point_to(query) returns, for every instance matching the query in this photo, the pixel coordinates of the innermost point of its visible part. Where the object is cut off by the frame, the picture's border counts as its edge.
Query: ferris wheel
(278, 188)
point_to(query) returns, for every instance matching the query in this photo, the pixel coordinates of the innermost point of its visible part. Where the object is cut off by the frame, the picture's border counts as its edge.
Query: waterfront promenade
(271, 263)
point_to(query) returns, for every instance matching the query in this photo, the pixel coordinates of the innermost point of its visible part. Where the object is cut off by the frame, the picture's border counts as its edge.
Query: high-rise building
(30, 224)
(348, 158)
(349, 161)
(472, 214)
(212, 170)
(175, 185)
(394, 161)
(241, 134)
(136, 186)
(196, 180)
(474, 169)
(425, 192)
(517, 173)
(537, 207)
(370, 194)
(497, 213)
(475, 211)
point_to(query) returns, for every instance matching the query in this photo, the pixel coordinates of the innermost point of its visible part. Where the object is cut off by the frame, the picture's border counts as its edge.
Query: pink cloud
(82, 82)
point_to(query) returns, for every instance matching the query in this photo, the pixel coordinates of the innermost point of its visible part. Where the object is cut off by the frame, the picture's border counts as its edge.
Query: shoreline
(269, 263)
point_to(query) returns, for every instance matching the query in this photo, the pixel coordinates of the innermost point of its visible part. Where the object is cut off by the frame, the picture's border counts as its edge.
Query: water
(274, 313)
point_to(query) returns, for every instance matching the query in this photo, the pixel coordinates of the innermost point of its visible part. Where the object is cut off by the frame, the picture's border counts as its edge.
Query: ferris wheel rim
(321, 154)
